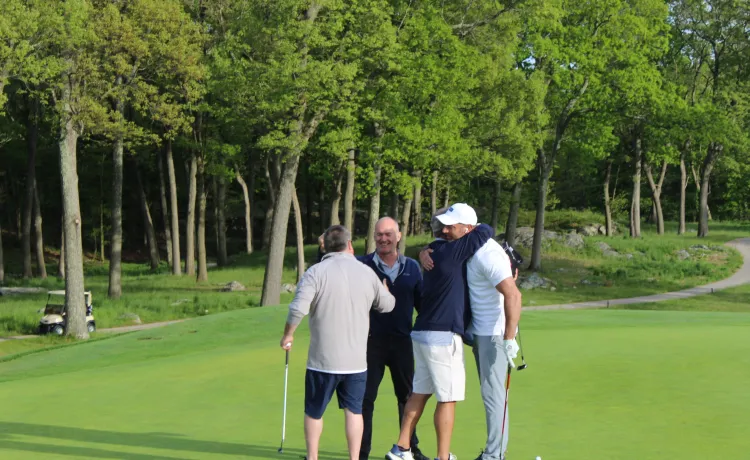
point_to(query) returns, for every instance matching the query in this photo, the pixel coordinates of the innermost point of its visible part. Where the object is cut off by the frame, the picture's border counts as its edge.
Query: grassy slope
(600, 384)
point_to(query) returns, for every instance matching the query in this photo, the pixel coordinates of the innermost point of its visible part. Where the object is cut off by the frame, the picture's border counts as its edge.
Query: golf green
(599, 385)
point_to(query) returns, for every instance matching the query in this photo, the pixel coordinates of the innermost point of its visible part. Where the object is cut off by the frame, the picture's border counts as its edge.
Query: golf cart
(55, 321)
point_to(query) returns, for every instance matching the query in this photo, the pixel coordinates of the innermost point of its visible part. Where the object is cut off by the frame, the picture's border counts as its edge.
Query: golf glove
(510, 347)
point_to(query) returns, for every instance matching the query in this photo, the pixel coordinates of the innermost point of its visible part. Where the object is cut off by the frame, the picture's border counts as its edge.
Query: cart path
(742, 276)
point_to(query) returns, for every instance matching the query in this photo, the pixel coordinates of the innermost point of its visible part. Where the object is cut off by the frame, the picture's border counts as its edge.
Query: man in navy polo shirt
(437, 342)
(389, 343)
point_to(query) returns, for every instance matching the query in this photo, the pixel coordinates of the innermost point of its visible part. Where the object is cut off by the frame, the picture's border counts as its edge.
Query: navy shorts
(319, 388)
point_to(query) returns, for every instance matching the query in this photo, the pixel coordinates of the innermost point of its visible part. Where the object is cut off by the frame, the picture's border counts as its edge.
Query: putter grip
(287, 357)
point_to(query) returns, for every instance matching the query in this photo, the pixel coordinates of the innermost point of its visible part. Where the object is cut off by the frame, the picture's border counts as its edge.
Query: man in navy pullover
(389, 343)
(437, 342)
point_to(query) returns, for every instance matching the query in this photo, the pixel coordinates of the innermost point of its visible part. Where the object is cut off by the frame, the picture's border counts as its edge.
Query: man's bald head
(387, 235)
(386, 222)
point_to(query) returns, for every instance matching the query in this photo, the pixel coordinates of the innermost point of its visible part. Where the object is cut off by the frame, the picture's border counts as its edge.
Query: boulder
(682, 254)
(525, 236)
(233, 287)
(589, 230)
(611, 253)
(573, 240)
(534, 281)
(603, 246)
(130, 317)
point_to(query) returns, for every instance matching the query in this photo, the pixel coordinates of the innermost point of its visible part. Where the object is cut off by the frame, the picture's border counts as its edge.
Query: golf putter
(505, 411)
(283, 420)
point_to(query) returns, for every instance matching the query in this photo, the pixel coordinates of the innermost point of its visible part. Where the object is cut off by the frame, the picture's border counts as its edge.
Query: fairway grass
(604, 384)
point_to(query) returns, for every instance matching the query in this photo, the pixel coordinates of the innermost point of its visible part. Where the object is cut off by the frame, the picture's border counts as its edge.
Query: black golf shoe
(418, 455)
(502, 457)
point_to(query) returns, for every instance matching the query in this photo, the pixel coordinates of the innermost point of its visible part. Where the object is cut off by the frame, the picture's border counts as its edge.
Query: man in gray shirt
(338, 294)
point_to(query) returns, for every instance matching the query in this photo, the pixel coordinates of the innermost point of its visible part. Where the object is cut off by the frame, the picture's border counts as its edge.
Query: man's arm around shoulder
(464, 248)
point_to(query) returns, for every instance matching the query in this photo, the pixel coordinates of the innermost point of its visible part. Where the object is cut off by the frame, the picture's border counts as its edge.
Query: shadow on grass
(167, 441)
(76, 452)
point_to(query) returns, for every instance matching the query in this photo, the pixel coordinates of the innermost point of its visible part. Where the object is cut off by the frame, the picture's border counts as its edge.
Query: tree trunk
(148, 223)
(190, 223)
(433, 193)
(351, 169)
(446, 199)
(394, 207)
(515, 204)
(174, 212)
(221, 204)
(418, 228)
(683, 188)
(697, 179)
(321, 209)
(714, 150)
(495, 203)
(202, 199)
(61, 261)
(336, 198)
(74, 285)
(308, 205)
(248, 215)
(164, 208)
(607, 199)
(541, 204)
(115, 251)
(215, 214)
(32, 137)
(275, 263)
(635, 205)
(546, 164)
(101, 228)
(405, 219)
(273, 174)
(300, 237)
(277, 245)
(656, 188)
(39, 236)
(374, 209)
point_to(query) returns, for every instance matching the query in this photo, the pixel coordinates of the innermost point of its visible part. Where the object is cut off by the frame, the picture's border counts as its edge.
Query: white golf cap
(459, 213)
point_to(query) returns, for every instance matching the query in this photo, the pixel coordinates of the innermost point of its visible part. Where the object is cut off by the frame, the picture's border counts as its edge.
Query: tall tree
(75, 94)
(587, 50)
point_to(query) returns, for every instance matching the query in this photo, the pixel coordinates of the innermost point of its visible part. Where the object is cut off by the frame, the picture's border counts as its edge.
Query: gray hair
(336, 238)
(435, 225)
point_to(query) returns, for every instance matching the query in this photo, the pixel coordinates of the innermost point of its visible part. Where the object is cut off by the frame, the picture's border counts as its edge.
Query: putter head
(521, 367)
(281, 450)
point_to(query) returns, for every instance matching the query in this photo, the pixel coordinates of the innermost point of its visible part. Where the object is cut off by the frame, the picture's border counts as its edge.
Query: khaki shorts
(439, 370)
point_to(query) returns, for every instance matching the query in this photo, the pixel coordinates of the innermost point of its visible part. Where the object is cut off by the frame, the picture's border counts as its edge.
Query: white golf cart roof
(62, 292)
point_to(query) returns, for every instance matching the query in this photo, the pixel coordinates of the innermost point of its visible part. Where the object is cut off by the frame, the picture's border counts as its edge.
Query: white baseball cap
(459, 213)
